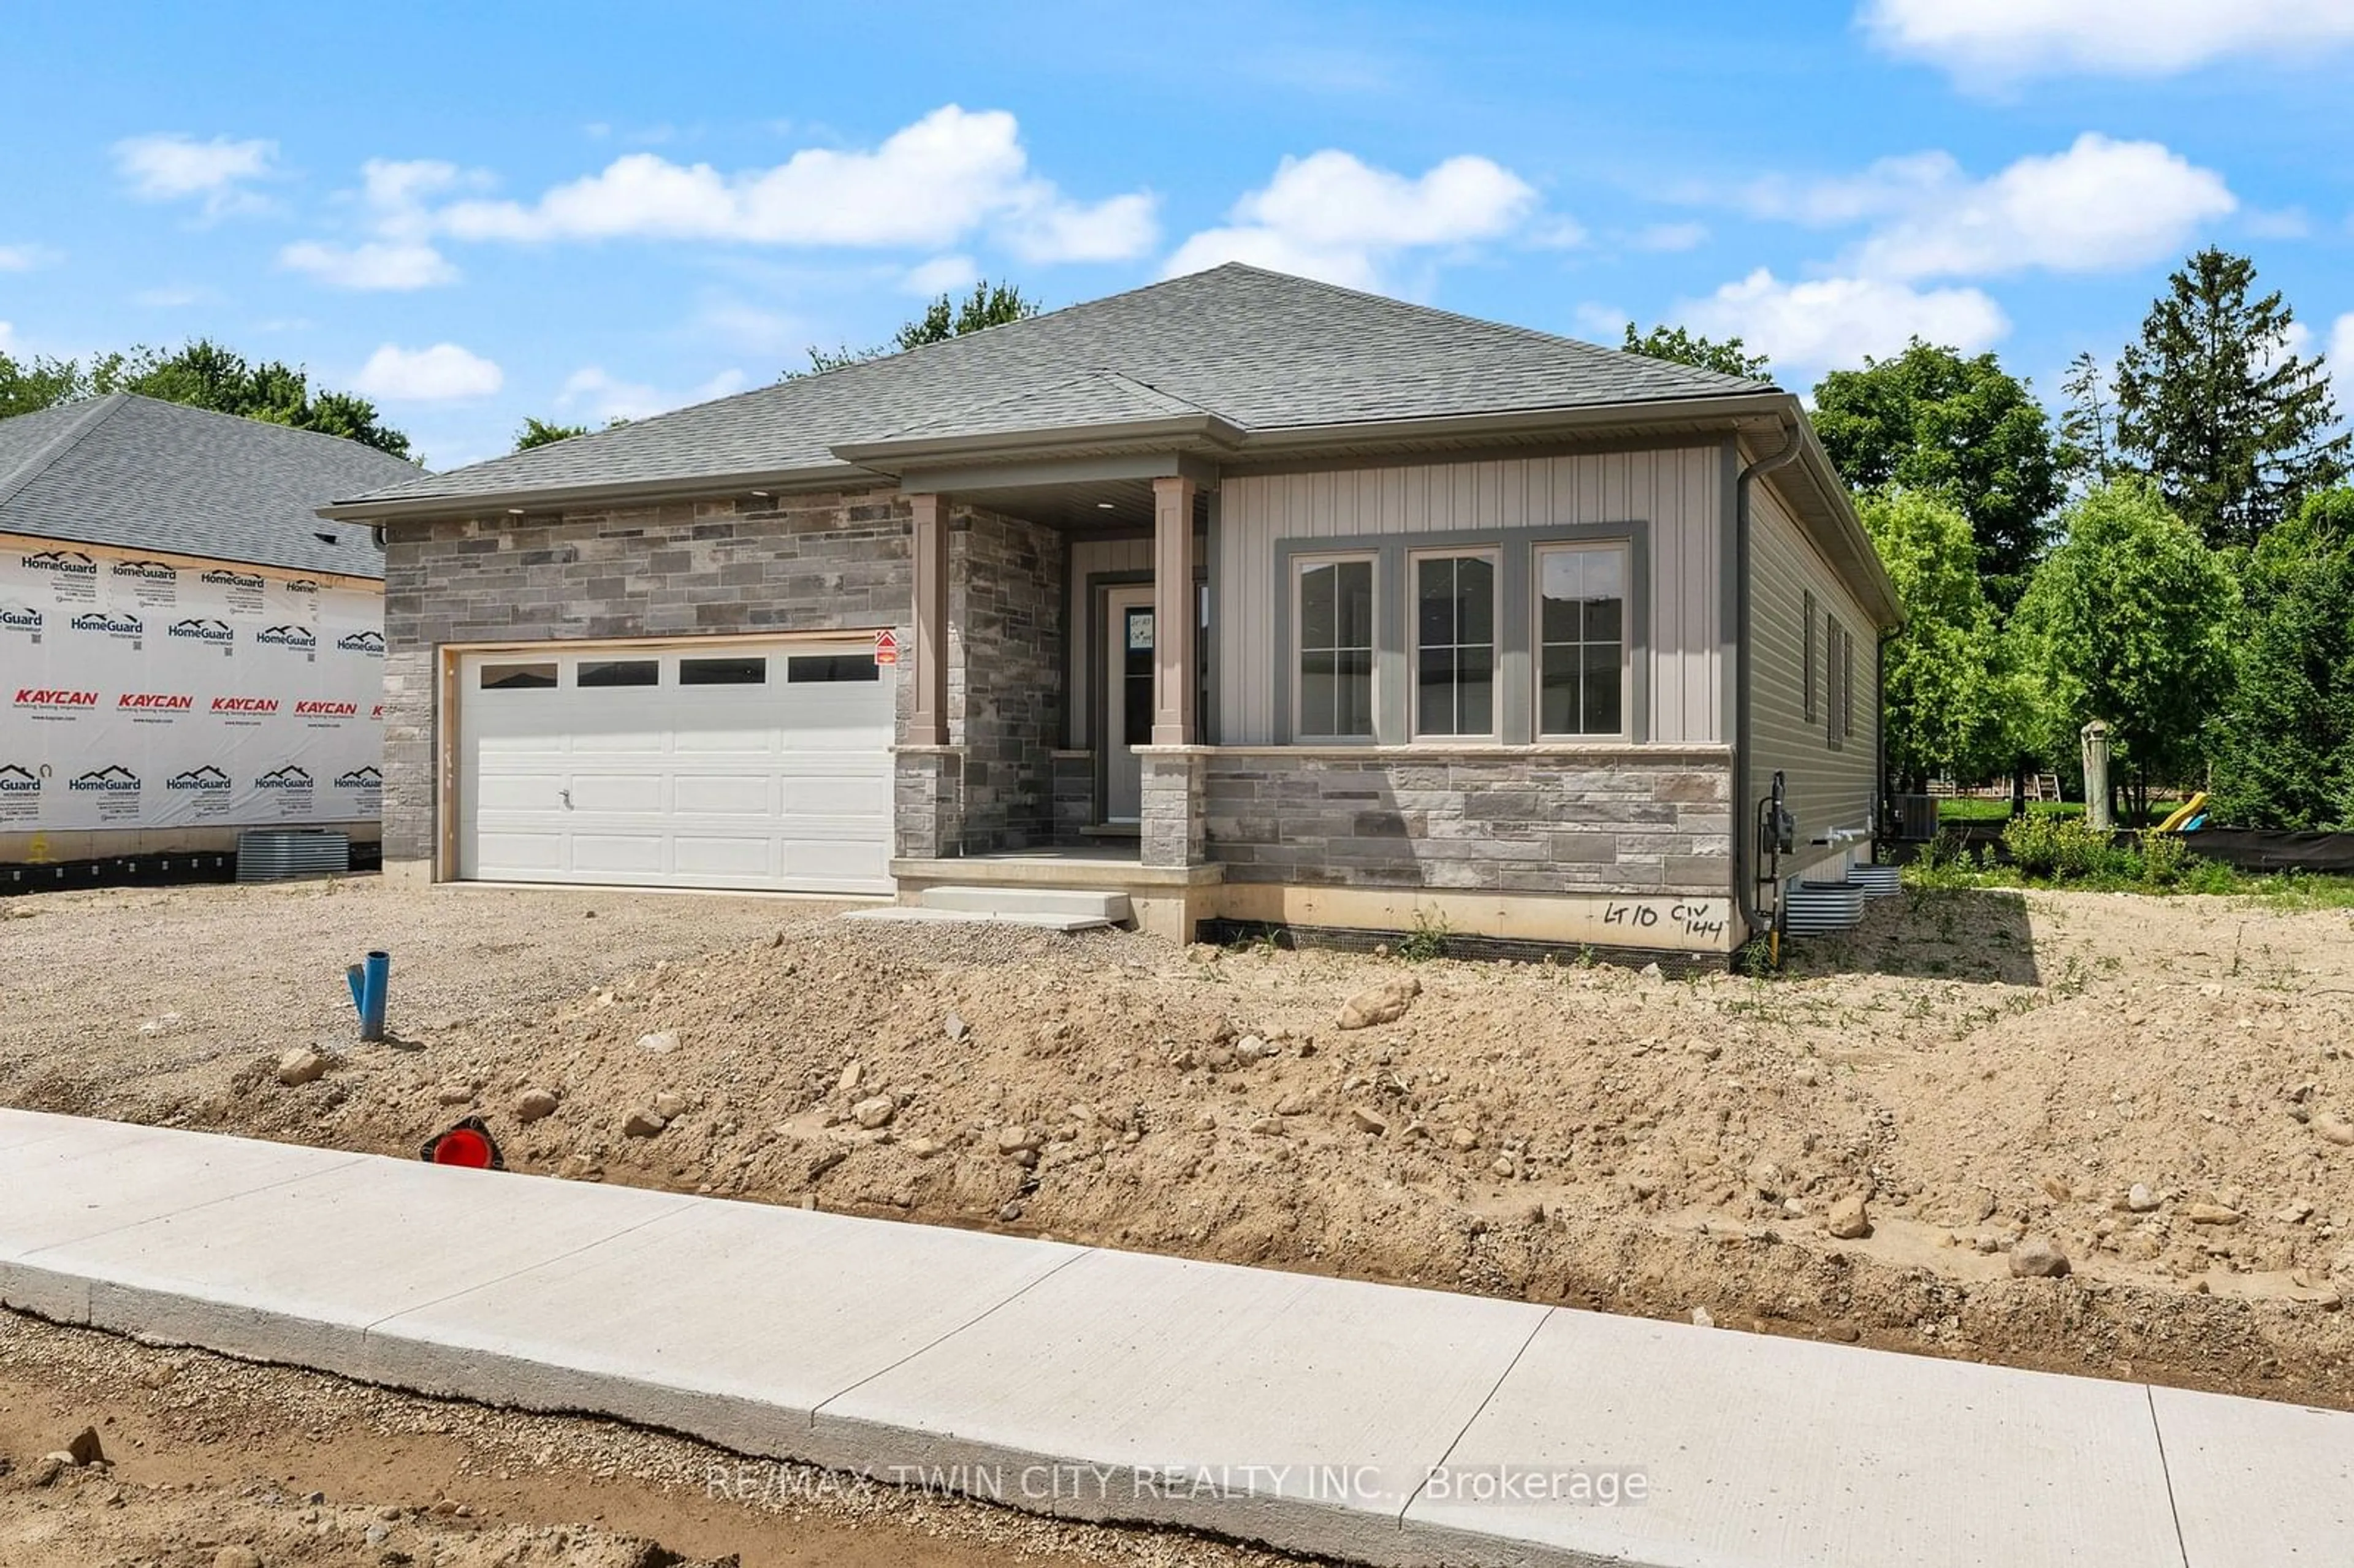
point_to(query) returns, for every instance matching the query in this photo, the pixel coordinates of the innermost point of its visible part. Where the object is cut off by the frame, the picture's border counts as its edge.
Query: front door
(1125, 721)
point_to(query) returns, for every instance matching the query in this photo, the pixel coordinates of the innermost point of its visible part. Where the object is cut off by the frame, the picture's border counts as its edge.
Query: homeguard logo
(108, 622)
(364, 779)
(223, 577)
(201, 629)
(361, 643)
(206, 779)
(70, 563)
(154, 702)
(15, 617)
(113, 781)
(144, 571)
(54, 698)
(16, 781)
(288, 777)
(286, 637)
(325, 710)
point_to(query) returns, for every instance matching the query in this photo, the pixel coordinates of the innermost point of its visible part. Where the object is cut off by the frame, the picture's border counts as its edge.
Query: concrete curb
(1327, 1416)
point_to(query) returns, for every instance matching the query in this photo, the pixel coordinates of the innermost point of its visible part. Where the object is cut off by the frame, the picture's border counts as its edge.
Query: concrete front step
(1073, 901)
(910, 914)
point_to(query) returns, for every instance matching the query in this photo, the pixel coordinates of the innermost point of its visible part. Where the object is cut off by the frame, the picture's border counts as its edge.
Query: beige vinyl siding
(1679, 493)
(1825, 789)
(1088, 557)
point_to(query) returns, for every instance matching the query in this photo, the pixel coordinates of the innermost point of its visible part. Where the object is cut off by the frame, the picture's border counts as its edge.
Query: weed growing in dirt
(1427, 940)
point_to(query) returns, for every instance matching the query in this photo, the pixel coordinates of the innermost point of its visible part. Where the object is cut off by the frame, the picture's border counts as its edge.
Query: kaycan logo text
(286, 637)
(116, 779)
(288, 777)
(325, 710)
(54, 698)
(18, 780)
(201, 629)
(244, 705)
(203, 780)
(222, 577)
(19, 617)
(361, 643)
(107, 620)
(144, 571)
(154, 702)
(72, 562)
(360, 778)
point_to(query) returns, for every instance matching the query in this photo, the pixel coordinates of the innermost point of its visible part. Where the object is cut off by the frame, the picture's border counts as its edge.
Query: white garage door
(754, 765)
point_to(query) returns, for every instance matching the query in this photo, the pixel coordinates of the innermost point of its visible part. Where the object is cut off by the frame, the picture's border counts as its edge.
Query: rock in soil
(2210, 1215)
(534, 1105)
(875, 1111)
(85, 1448)
(300, 1066)
(1848, 1220)
(1383, 1003)
(2038, 1257)
(642, 1124)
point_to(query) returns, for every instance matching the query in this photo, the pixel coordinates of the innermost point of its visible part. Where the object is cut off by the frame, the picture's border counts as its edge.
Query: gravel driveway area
(157, 981)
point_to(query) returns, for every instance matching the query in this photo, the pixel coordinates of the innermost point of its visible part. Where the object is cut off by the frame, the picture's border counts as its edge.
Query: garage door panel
(723, 795)
(782, 785)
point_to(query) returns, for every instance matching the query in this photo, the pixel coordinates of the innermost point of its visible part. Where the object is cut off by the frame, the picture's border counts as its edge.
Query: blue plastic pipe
(368, 982)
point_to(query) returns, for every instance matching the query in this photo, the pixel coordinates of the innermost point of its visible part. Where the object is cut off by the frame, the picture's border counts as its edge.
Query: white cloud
(2100, 205)
(25, 258)
(1826, 322)
(589, 390)
(171, 167)
(942, 177)
(372, 264)
(1601, 323)
(2003, 40)
(2341, 365)
(1333, 217)
(941, 275)
(428, 374)
(170, 296)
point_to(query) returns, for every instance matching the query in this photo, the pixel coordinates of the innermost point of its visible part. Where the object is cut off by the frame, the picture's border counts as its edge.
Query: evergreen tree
(2284, 748)
(2235, 428)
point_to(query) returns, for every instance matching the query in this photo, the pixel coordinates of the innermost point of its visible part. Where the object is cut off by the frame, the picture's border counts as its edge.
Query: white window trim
(1625, 552)
(1300, 567)
(1494, 556)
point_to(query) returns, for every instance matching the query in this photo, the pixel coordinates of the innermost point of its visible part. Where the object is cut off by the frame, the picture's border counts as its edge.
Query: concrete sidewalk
(1325, 1416)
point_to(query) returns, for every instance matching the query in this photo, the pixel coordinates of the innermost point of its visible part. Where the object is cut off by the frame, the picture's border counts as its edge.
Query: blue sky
(473, 213)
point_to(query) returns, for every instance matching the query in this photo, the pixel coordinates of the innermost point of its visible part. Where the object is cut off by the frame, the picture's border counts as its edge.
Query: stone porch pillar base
(927, 801)
(1173, 833)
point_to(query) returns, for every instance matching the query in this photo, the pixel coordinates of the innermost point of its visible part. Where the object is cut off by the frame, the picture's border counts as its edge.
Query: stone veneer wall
(1629, 821)
(735, 567)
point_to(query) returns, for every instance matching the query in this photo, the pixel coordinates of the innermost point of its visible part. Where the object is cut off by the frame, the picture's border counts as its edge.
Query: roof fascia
(1200, 429)
(572, 497)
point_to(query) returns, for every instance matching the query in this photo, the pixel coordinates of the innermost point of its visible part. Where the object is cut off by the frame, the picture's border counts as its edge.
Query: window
(1455, 644)
(803, 669)
(1581, 641)
(723, 671)
(1847, 685)
(1336, 649)
(1838, 668)
(517, 677)
(1807, 663)
(618, 672)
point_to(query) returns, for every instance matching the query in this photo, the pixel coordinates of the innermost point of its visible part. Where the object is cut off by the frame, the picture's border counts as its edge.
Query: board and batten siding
(1826, 790)
(1090, 557)
(1678, 495)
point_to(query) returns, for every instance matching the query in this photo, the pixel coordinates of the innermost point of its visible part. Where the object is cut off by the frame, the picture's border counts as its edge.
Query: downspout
(1744, 824)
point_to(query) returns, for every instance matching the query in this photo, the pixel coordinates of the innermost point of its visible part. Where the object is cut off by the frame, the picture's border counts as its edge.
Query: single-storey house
(186, 650)
(1259, 600)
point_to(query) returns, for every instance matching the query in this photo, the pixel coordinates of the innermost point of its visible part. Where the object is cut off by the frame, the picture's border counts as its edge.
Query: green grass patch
(2062, 853)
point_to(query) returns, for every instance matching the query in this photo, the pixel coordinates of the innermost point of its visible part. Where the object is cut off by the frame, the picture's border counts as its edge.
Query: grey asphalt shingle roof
(1261, 350)
(144, 474)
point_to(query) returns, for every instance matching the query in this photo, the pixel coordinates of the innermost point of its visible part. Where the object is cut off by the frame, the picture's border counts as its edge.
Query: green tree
(2234, 427)
(1929, 419)
(2088, 428)
(544, 432)
(1730, 358)
(2284, 748)
(205, 374)
(990, 304)
(2129, 620)
(1946, 697)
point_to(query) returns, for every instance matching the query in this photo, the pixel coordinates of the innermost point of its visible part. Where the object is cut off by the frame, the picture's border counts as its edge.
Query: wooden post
(1175, 611)
(927, 721)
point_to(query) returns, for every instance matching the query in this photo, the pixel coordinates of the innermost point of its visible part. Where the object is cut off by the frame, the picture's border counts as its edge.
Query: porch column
(1174, 612)
(927, 719)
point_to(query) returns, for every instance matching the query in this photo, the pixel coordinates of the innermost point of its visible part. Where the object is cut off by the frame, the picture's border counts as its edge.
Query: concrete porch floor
(1166, 901)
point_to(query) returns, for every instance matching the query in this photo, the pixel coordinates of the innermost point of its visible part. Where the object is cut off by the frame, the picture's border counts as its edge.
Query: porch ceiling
(1076, 506)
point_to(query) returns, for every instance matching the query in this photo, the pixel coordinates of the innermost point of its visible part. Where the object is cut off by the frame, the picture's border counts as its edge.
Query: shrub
(2068, 849)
